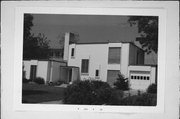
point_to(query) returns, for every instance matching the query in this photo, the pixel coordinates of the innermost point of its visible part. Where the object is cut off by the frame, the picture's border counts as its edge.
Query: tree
(34, 47)
(74, 38)
(148, 29)
(121, 82)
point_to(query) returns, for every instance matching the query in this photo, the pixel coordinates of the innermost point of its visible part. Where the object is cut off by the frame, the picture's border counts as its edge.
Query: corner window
(114, 55)
(85, 66)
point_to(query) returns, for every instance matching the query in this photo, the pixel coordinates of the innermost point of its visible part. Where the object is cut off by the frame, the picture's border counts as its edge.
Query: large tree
(34, 47)
(148, 29)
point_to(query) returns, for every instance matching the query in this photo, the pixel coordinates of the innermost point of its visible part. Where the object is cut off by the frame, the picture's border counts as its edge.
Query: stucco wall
(141, 84)
(98, 58)
(124, 59)
(56, 70)
(97, 55)
(42, 68)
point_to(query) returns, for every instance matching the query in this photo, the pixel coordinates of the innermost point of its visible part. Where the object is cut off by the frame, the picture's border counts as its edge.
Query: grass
(34, 93)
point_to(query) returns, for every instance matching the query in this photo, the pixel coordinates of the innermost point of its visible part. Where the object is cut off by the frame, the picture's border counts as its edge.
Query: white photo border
(19, 17)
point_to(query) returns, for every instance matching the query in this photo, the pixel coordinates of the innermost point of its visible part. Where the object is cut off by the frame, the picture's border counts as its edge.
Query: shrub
(90, 92)
(25, 80)
(39, 80)
(121, 83)
(144, 99)
(152, 89)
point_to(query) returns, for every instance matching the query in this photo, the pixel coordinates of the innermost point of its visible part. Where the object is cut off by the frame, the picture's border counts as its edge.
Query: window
(132, 77)
(147, 77)
(97, 73)
(72, 52)
(85, 66)
(114, 55)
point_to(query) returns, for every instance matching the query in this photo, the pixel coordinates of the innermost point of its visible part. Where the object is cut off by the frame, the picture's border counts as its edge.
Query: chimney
(66, 46)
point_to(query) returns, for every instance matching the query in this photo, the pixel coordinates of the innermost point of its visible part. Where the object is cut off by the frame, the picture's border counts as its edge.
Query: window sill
(85, 74)
(72, 57)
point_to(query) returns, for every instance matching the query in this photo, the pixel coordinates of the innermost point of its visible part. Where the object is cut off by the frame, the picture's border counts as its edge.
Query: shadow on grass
(33, 92)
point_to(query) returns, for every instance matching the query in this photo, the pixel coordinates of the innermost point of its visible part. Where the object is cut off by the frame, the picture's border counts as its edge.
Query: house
(104, 61)
(52, 69)
(98, 61)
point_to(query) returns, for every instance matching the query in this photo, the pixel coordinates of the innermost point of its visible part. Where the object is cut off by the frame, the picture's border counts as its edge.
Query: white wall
(97, 55)
(140, 71)
(125, 59)
(27, 66)
(42, 68)
(98, 58)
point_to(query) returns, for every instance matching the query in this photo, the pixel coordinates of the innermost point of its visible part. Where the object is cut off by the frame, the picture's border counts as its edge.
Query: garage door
(112, 75)
(139, 80)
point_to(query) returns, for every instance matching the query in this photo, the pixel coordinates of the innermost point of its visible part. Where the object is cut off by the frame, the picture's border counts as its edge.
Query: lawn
(34, 93)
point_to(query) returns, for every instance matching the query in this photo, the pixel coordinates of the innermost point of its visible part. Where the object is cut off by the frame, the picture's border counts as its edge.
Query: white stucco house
(104, 61)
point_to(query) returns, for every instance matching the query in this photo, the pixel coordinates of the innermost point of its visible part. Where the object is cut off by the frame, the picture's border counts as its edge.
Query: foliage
(74, 37)
(121, 83)
(144, 99)
(25, 80)
(152, 89)
(34, 47)
(90, 92)
(148, 29)
(39, 80)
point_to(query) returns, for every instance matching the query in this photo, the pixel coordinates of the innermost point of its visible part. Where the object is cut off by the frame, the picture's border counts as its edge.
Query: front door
(33, 72)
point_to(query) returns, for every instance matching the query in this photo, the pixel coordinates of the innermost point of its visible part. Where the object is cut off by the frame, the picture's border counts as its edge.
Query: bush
(121, 83)
(39, 80)
(25, 80)
(144, 99)
(152, 89)
(90, 92)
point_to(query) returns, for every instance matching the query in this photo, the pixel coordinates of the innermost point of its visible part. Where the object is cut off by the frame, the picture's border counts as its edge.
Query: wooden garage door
(112, 75)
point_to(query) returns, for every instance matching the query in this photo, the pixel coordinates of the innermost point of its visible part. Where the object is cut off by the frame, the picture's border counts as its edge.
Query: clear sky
(91, 28)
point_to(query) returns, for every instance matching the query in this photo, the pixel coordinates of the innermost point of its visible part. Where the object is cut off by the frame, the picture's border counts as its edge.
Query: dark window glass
(72, 52)
(144, 77)
(97, 72)
(147, 77)
(114, 55)
(141, 77)
(132, 77)
(84, 65)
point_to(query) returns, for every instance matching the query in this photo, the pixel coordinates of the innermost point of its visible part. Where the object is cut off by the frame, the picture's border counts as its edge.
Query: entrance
(33, 72)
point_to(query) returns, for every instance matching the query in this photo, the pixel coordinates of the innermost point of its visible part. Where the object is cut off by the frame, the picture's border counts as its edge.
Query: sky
(94, 28)
(91, 28)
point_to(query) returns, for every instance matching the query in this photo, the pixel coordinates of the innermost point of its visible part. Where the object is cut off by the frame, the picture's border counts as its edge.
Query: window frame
(109, 59)
(82, 72)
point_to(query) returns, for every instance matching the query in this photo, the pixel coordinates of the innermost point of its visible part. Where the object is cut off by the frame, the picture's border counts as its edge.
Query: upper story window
(114, 55)
(85, 66)
(72, 52)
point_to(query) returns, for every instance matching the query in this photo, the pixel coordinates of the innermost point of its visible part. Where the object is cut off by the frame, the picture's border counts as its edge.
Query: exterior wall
(134, 54)
(55, 69)
(27, 67)
(98, 59)
(42, 68)
(48, 70)
(144, 71)
(124, 59)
